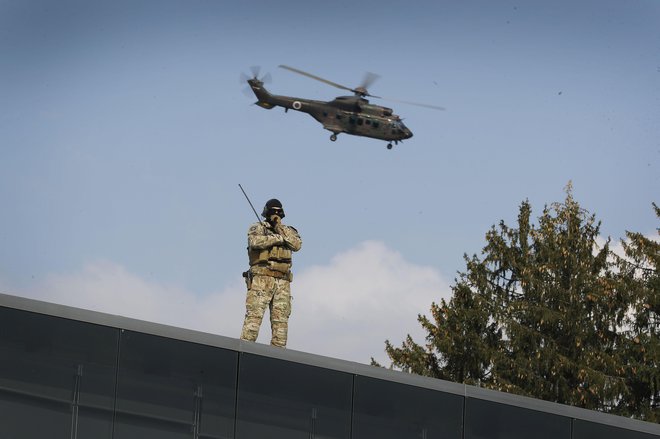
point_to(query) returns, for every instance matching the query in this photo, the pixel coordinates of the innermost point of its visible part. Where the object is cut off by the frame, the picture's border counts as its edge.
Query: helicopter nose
(409, 134)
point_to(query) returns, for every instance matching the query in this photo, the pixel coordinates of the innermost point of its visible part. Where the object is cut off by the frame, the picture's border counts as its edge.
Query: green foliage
(461, 323)
(545, 312)
(639, 278)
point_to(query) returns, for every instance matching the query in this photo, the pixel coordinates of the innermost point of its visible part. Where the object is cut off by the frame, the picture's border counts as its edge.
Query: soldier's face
(275, 212)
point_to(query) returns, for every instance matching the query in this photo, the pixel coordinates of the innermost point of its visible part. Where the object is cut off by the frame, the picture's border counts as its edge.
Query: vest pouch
(280, 254)
(282, 267)
(258, 256)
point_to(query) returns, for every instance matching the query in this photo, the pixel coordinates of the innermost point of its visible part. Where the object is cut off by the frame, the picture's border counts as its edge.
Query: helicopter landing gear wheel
(389, 146)
(333, 137)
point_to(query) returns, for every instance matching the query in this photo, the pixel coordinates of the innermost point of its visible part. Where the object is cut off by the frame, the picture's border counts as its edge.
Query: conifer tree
(557, 306)
(639, 278)
(460, 342)
(537, 314)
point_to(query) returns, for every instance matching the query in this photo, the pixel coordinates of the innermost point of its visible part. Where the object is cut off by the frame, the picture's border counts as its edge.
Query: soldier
(270, 245)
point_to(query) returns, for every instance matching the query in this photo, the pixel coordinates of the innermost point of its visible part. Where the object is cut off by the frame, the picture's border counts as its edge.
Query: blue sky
(124, 133)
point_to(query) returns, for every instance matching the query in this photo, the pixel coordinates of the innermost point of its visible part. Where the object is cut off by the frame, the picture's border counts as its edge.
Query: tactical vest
(277, 258)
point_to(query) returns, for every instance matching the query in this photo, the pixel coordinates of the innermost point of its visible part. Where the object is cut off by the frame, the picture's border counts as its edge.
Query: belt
(263, 271)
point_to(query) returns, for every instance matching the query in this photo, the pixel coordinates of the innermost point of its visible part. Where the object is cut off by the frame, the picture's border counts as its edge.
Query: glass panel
(385, 410)
(57, 377)
(592, 430)
(491, 420)
(279, 399)
(173, 389)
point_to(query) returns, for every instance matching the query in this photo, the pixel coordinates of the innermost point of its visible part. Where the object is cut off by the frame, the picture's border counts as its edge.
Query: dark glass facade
(387, 410)
(173, 389)
(490, 420)
(66, 378)
(57, 377)
(280, 399)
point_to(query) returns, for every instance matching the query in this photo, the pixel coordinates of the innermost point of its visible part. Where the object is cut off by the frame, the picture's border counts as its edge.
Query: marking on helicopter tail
(297, 105)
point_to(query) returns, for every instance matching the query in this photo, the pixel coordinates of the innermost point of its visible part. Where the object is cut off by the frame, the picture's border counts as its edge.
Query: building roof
(119, 322)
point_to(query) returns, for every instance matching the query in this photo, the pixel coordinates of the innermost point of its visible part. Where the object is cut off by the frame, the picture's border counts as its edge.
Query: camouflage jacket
(271, 247)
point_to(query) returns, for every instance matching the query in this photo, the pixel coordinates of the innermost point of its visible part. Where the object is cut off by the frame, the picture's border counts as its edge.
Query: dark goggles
(275, 211)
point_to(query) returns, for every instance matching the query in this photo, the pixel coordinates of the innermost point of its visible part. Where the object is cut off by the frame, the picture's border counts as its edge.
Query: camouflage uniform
(269, 279)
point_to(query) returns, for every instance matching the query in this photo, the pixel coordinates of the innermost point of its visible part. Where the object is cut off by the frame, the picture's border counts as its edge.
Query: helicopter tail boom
(265, 98)
(268, 101)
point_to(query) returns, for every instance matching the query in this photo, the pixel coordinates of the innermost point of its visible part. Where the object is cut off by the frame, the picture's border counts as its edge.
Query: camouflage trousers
(267, 291)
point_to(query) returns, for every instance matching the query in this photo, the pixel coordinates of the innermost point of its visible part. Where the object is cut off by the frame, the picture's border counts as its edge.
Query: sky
(125, 131)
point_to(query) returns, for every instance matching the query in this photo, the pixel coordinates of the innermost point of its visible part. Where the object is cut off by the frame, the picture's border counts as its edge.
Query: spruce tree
(460, 342)
(557, 306)
(640, 281)
(536, 314)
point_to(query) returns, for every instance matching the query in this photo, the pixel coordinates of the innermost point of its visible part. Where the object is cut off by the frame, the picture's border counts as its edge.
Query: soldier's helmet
(273, 206)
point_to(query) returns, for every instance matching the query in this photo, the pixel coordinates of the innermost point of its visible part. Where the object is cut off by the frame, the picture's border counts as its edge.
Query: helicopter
(345, 114)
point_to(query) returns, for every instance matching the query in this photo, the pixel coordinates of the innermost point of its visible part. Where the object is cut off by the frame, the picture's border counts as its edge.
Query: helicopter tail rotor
(255, 70)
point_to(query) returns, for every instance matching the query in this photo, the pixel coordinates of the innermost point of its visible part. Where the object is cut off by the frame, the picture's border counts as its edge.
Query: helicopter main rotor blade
(362, 89)
(417, 104)
(369, 79)
(318, 78)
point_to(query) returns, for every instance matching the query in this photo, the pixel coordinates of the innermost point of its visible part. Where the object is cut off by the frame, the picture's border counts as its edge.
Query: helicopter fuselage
(345, 114)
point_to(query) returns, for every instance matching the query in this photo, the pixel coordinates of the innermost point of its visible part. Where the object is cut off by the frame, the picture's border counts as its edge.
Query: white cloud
(110, 288)
(345, 309)
(368, 294)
